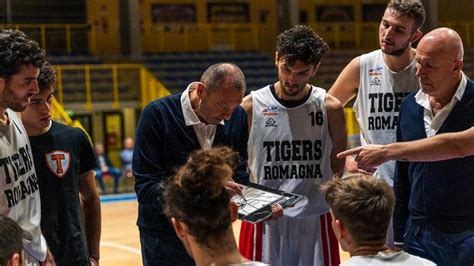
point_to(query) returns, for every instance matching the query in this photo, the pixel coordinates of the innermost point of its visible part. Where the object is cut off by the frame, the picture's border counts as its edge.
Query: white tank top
(20, 198)
(290, 148)
(378, 101)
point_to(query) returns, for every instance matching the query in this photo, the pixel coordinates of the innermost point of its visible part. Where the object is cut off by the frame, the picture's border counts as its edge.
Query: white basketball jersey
(290, 148)
(378, 102)
(20, 198)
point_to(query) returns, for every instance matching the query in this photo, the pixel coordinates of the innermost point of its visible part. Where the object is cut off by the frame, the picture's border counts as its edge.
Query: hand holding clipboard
(256, 202)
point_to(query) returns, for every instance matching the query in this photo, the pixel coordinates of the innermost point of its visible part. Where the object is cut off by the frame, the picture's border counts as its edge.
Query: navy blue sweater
(437, 193)
(163, 143)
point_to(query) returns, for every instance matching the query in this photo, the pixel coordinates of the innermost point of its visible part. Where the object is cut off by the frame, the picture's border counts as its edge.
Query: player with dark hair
(206, 114)
(200, 208)
(11, 243)
(64, 160)
(296, 130)
(20, 62)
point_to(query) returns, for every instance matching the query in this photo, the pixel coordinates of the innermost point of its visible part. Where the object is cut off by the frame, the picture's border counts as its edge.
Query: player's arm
(337, 130)
(91, 206)
(447, 146)
(347, 83)
(344, 89)
(247, 105)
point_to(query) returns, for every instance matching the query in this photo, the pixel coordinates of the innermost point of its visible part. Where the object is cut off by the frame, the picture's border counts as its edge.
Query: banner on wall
(334, 13)
(228, 13)
(173, 13)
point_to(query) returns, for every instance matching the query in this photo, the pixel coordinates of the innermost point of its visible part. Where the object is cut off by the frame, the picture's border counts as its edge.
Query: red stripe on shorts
(250, 241)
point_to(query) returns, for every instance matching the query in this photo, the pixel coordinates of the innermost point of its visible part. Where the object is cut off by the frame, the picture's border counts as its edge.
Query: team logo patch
(270, 111)
(270, 123)
(58, 162)
(375, 71)
(375, 82)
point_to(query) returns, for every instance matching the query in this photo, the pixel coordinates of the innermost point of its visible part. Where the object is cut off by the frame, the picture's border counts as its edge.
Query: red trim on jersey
(250, 241)
(329, 241)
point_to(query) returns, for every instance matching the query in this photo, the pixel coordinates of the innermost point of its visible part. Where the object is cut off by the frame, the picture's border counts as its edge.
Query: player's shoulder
(247, 103)
(374, 53)
(332, 103)
(371, 58)
(355, 62)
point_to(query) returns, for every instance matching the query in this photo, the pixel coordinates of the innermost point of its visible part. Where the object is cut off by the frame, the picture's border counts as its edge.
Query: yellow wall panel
(259, 34)
(103, 16)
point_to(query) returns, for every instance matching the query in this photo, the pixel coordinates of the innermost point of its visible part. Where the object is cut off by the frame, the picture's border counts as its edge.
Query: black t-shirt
(61, 155)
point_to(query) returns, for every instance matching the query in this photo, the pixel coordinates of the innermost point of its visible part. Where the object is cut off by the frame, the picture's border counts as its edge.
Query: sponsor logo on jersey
(270, 111)
(375, 71)
(270, 123)
(58, 162)
(375, 82)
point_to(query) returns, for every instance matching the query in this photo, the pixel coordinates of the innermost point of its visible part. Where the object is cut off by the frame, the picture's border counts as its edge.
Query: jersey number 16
(316, 118)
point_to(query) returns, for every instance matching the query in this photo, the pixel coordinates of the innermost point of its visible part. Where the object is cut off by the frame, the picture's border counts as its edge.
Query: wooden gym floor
(120, 242)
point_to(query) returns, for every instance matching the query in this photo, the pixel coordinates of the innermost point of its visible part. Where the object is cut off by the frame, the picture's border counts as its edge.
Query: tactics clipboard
(256, 205)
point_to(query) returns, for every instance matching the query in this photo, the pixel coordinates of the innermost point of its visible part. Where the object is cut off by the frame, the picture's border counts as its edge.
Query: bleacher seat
(59, 59)
(177, 70)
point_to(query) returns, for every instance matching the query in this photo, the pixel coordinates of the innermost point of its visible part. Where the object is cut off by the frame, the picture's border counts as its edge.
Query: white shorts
(300, 241)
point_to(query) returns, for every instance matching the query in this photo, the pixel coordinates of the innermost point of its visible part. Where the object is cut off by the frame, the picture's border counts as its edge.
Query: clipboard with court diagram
(256, 204)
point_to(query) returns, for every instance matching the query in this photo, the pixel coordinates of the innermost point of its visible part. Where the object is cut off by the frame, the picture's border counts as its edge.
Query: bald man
(207, 113)
(434, 214)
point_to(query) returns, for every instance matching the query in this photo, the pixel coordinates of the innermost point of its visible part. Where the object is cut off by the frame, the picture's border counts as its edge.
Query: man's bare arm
(337, 130)
(347, 83)
(247, 105)
(440, 147)
(344, 89)
(92, 217)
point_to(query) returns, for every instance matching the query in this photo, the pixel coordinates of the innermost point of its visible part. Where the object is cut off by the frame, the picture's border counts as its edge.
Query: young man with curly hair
(20, 62)
(295, 131)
